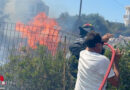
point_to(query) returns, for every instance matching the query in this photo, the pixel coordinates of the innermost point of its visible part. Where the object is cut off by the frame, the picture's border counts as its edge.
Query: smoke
(24, 10)
(9, 8)
(16, 10)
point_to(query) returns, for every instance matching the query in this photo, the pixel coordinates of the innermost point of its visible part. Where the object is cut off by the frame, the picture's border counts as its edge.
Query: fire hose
(109, 67)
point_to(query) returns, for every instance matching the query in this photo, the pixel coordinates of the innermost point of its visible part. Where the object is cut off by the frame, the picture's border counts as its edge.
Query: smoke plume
(24, 10)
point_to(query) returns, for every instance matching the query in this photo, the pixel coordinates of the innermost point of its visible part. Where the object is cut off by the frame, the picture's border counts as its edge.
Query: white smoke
(10, 8)
(16, 10)
(23, 10)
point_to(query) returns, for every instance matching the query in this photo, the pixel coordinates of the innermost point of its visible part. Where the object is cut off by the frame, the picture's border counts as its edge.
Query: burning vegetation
(42, 30)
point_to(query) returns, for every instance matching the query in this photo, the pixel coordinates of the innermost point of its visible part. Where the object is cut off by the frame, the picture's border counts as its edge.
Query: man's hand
(118, 55)
(115, 79)
(106, 37)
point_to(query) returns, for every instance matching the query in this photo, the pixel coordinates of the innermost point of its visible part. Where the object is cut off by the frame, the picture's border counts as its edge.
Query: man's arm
(106, 37)
(115, 79)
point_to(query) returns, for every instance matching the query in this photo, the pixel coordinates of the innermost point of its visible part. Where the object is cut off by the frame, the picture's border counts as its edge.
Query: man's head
(94, 41)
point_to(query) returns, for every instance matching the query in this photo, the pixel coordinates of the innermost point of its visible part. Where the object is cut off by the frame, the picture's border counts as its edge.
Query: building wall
(127, 16)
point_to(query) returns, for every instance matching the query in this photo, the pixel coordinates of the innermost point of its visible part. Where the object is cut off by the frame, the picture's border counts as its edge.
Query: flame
(42, 30)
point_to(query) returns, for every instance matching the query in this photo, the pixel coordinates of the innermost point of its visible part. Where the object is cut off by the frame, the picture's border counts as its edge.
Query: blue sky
(112, 10)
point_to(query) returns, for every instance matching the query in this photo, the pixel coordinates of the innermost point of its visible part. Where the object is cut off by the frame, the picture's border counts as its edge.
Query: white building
(127, 16)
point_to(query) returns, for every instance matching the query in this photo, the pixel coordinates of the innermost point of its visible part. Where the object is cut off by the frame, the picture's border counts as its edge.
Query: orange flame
(42, 30)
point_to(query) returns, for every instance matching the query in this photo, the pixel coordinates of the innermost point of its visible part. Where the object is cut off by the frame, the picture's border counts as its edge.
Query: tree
(71, 24)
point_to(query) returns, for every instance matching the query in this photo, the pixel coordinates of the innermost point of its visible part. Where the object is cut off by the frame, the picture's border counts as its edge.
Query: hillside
(71, 24)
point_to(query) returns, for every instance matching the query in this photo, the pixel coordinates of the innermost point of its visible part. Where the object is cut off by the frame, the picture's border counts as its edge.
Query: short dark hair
(92, 39)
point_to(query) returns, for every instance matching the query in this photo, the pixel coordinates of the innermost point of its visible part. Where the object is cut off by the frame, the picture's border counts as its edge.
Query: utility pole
(77, 23)
(80, 9)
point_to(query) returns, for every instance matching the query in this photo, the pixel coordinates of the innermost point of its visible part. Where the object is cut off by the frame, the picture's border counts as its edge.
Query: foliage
(73, 66)
(38, 69)
(71, 24)
(66, 21)
(38, 72)
(124, 68)
(100, 25)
